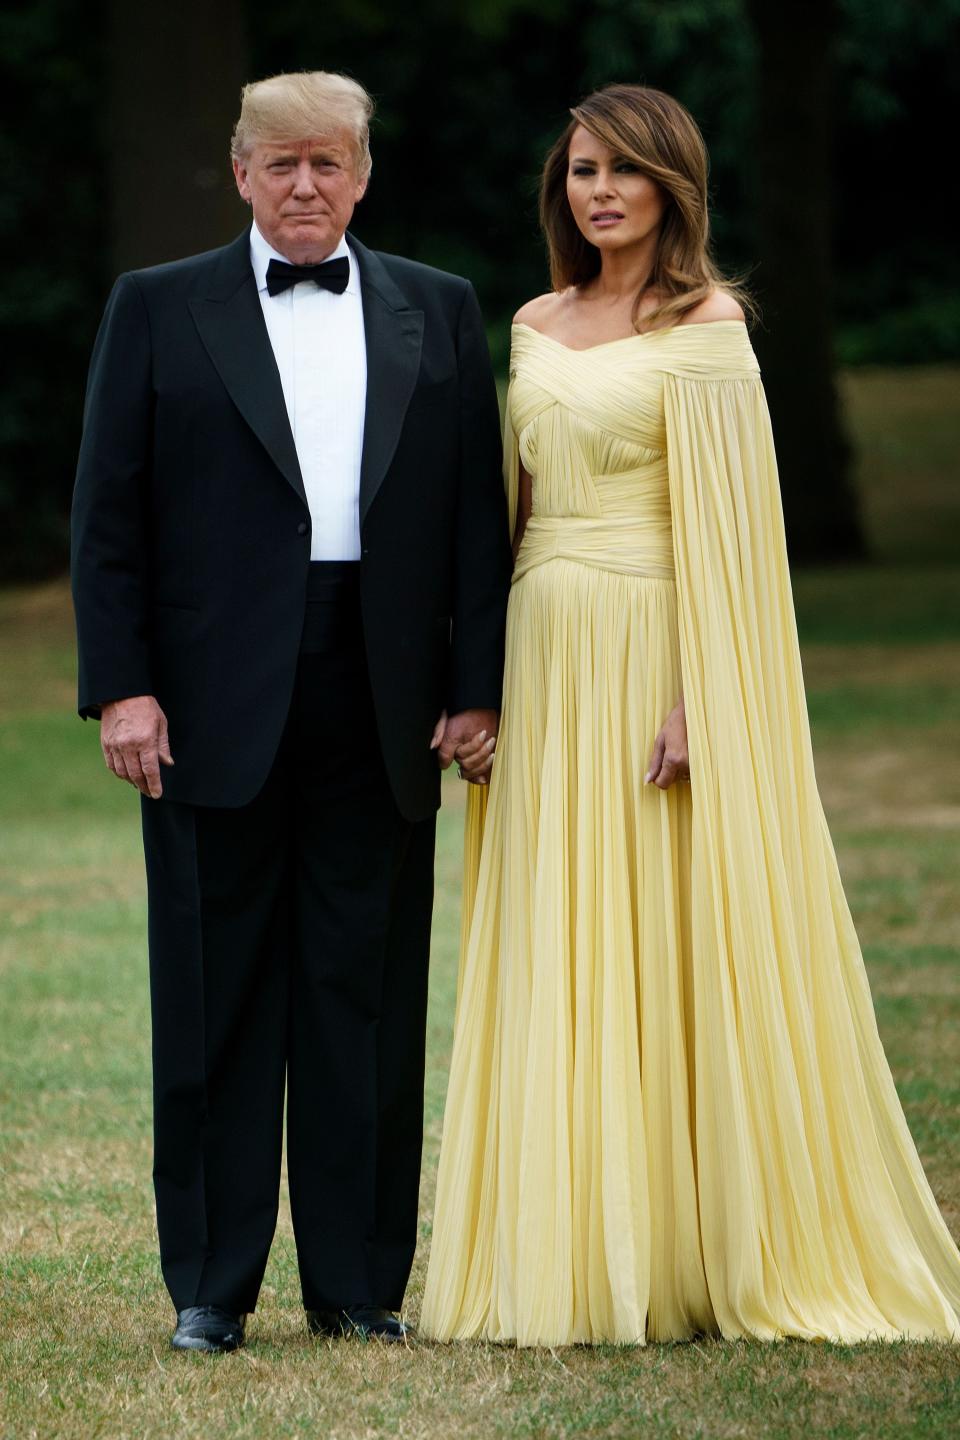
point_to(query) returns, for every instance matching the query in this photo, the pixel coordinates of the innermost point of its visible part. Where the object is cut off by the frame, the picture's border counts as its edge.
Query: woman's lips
(605, 218)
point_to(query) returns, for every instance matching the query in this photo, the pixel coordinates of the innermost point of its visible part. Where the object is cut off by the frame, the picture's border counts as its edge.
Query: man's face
(302, 193)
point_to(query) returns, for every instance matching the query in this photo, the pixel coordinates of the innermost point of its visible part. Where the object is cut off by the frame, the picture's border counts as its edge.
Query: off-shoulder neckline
(625, 339)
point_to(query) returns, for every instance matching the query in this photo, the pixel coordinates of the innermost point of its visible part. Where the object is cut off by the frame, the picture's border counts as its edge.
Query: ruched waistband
(624, 545)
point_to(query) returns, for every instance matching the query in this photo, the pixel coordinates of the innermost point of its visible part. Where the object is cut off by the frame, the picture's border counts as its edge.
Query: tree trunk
(176, 76)
(794, 279)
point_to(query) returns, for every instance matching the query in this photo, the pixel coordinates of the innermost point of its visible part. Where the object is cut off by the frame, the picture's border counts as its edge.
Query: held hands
(670, 761)
(134, 741)
(470, 738)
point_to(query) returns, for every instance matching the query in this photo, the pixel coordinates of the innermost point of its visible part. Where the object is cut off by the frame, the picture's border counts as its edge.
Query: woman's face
(613, 202)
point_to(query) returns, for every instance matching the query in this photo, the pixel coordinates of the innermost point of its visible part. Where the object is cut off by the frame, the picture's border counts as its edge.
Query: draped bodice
(591, 430)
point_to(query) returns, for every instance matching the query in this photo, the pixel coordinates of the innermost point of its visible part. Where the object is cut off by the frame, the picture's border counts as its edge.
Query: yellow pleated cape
(799, 1205)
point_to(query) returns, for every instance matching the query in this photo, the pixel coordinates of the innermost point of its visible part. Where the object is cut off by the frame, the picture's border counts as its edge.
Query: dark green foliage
(53, 221)
(895, 241)
(469, 96)
(924, 330)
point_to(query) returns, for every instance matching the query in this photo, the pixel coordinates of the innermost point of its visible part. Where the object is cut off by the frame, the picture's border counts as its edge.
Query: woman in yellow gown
(669, 1111)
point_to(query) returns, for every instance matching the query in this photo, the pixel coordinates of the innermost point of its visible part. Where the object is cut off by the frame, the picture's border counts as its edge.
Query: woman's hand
(475, 758)
(470, 738)
(670, 761)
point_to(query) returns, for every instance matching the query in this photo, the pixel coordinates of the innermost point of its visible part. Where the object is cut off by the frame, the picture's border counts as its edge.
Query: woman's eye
(582, 170)
(626, 165)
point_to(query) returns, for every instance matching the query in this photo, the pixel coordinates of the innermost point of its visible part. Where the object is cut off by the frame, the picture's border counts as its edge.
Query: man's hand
(470, 738)
(134, 741)
(670, 761)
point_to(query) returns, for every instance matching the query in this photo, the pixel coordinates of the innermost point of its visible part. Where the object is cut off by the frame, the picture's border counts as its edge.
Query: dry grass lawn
(84, 1319)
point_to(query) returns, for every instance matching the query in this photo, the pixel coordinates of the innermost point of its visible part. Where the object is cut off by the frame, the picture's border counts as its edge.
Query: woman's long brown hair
(662, 139)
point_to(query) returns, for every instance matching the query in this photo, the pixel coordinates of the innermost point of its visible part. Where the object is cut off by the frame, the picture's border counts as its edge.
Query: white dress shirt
(318, 341)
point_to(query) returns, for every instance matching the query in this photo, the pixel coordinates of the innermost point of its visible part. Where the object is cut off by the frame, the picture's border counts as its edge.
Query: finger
(438, 730)
(482, 754)
(135, 771)
(163, 748)
(482, 769)
(150, 767)
(656, 759)
(469, 748)
(472, 745)
(479, 770)
(446, 751)
(668, 774)
(119, 766)
(478, 756)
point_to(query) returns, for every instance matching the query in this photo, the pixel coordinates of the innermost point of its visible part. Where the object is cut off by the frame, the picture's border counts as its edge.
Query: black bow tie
(331, 275)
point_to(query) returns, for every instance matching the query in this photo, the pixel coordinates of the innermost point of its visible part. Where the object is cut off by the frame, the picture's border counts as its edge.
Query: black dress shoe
(207, 1327)
(362, 1321)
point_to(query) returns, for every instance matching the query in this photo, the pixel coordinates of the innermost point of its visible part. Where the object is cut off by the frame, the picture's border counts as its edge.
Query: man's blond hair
(302, 106)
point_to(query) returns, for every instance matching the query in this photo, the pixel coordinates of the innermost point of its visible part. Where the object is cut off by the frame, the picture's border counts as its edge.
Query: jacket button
(302, 528)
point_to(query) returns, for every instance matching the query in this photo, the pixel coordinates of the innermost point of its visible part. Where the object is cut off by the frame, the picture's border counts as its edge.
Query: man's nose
(304, 184)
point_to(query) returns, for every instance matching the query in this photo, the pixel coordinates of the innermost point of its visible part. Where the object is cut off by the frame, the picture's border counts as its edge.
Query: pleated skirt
(568, 1206)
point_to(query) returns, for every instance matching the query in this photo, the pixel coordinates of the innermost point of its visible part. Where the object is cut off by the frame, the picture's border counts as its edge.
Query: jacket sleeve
(482, 580)
(108, 525)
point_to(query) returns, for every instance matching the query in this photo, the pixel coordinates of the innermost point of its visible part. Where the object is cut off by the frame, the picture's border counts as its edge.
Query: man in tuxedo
(289, 559)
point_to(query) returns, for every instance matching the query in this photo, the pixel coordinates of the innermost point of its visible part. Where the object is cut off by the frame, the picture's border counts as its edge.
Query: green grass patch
(878, 604)
(84, 1318)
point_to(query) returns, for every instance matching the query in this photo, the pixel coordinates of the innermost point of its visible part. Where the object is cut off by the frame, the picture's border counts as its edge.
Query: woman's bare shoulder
(718, 305)
(538, 312)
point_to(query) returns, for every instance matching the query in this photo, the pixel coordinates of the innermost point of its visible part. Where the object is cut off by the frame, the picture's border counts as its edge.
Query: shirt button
(302, 528)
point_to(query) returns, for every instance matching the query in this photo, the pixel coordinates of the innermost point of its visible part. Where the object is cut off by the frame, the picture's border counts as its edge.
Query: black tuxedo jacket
(191, 532)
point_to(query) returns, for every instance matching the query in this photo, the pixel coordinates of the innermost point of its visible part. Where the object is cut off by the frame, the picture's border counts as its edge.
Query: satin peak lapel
(232, 328)
(394, 337)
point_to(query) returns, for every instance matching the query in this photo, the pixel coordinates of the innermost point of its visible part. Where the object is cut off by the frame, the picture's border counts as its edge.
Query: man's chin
(308, 239)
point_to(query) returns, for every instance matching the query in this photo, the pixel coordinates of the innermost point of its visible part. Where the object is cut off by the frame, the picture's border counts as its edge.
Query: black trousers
(289, 945)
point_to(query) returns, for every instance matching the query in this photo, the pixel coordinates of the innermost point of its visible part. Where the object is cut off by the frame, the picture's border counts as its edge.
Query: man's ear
(240, 175)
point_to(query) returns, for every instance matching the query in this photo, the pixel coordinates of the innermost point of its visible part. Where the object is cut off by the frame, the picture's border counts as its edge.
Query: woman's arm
(524, 508)
(476, 757)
